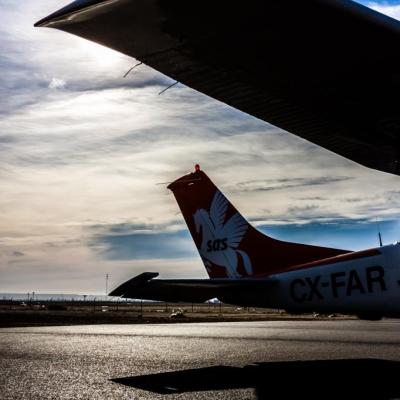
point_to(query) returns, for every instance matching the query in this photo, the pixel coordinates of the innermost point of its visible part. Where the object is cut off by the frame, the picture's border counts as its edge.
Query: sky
(85, 154)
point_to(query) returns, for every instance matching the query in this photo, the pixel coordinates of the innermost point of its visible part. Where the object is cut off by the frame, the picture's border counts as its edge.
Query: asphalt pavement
(247, 360)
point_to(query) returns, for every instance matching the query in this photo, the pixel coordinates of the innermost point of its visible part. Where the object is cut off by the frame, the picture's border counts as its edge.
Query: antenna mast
(379, 233)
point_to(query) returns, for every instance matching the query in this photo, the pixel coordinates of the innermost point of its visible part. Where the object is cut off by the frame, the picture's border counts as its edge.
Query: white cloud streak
(57, 83)
(393, 10)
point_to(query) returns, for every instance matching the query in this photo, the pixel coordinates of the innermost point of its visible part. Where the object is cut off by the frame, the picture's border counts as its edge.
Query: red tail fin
(229, 246)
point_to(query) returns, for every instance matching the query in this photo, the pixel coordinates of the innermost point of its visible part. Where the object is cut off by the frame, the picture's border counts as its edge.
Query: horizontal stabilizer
(191, 290)
(133, 283)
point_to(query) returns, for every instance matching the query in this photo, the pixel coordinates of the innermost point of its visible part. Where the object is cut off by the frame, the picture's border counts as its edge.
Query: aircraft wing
(325, 70)
(144, 286)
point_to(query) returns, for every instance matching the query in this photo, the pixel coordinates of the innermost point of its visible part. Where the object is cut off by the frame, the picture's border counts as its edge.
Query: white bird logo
(220, 241)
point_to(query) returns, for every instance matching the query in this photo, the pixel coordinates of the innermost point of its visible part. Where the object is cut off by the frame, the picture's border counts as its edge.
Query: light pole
(106, 286)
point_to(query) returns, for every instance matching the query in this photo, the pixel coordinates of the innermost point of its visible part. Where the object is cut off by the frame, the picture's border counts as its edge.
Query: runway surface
(255, 360)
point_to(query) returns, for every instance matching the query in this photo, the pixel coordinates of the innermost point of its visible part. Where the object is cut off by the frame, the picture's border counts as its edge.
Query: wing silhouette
(218, 210)
(343, 96)
(234, 230)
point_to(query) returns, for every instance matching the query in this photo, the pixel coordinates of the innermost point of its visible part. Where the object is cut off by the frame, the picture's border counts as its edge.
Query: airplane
(250, 269)
(325, 70)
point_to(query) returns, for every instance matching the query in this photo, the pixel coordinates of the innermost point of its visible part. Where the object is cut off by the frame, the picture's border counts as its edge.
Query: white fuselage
(369, 285)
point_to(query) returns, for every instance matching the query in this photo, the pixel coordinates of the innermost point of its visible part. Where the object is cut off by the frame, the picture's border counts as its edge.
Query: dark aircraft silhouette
(325, 70)
(248, 268)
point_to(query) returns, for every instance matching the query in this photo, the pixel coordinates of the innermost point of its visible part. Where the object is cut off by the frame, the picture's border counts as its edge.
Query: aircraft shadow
(328, 379)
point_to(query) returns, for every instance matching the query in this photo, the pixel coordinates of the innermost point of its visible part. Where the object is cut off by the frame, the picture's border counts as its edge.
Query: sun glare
(99, 54)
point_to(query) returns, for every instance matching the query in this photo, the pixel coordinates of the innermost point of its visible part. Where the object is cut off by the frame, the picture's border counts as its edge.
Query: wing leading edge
(144, 286)
(325, 70)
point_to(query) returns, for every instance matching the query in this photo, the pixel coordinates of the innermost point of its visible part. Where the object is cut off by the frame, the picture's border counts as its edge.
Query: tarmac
(241, 360)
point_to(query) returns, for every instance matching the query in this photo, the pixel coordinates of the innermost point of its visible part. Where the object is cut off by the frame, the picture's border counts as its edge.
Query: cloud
(142, 246)
(288, 183)
(390, 8)
(140, 241)
(57, 83)
(336, 233)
